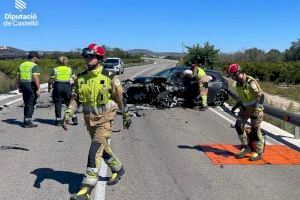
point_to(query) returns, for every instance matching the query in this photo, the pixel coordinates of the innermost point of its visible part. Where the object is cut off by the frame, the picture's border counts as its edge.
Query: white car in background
(114, 65)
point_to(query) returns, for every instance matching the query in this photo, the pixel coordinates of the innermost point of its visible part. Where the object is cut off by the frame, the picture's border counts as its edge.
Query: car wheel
(220, 98)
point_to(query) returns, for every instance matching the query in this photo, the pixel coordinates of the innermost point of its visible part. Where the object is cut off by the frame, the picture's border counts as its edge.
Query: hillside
(11, 52)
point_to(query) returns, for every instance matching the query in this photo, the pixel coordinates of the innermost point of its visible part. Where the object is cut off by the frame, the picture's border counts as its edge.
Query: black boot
(58, 123)
(29, 124)
(75, 120)
(203, 108)
(256, 156)
(244, 151)
(116, 176)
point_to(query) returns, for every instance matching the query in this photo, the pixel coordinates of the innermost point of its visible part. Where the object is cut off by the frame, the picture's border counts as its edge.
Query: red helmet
(234, 68)
(93, 50)
(193, 66)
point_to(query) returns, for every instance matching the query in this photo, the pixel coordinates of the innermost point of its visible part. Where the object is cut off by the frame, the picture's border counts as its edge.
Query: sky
(157, 25)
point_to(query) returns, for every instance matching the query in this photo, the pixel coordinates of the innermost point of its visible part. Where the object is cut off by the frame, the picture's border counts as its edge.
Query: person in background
(202, 79)
(29, 85)
(60, 82)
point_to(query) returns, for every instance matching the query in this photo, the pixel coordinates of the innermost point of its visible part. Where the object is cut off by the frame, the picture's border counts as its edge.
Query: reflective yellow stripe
(83, 191)
(114, 175)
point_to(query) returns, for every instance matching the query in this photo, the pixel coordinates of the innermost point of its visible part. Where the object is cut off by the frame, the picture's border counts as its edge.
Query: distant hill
(10, 52)
(154, 54)
(141, 51)
(7, 52)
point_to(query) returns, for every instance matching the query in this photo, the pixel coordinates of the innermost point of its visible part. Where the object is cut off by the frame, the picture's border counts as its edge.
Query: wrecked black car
(171, 87)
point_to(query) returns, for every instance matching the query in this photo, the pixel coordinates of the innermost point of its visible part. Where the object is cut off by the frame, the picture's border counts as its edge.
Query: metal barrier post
(297, 132)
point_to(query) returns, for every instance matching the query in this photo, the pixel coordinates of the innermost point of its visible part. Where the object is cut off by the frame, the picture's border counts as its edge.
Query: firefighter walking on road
(101, 96)
(202, 79)
(251, 106)
(60, 82)
(29, 86)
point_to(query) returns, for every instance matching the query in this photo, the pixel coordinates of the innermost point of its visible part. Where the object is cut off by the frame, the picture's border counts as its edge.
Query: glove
(38, 94)
(67, 116)
(126, 119)
(256, 113)
(238, 104)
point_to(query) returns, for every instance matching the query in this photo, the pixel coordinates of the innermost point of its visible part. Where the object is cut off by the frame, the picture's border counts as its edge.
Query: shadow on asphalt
(205, 148)
(46, 121)
(72, 179)
(13, 122)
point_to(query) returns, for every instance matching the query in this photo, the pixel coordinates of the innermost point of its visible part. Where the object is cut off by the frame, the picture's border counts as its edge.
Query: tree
(206, 55)
(273, 56)
(254, 54)
(293, 53)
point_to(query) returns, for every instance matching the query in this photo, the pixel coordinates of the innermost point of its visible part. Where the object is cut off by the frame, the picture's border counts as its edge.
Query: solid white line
(12, 102)
(16, 93)
(100, 187)
(224, 117)
(148, 69)
(227, 119)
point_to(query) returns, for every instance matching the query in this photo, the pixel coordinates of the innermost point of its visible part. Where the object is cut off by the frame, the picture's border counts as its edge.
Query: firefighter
(202, 79)
(29, 86)
(251, 106)
(60, 82)
(101, 96)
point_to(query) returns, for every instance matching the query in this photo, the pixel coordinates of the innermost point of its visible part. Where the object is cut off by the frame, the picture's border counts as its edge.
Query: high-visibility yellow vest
(201, 72)
(245, 92)
(62, 73)
(94, 88)
(25, 70)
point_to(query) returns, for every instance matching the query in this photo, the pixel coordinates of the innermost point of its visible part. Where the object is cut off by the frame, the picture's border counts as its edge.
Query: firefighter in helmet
(101, 96)
(251, 106)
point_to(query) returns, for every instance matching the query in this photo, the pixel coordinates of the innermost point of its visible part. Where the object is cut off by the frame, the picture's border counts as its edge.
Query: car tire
(220, 98)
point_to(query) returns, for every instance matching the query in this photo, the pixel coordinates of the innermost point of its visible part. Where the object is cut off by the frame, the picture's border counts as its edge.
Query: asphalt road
(158, 153)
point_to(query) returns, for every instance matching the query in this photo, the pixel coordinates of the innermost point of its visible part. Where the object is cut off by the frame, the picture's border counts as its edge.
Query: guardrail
(290, 117)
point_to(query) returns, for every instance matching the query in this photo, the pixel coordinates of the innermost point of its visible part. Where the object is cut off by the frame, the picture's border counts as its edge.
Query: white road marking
(100, 187)
(15, 93)
(227, 119)
(12, 102)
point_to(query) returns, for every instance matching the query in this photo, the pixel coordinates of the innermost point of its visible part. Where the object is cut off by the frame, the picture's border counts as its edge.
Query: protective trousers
(99, 149)
(61, 94)
(203, 87)
(28, 90)
(256, 117)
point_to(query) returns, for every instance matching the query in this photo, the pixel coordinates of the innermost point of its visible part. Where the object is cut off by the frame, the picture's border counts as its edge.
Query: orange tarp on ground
(223, 154)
